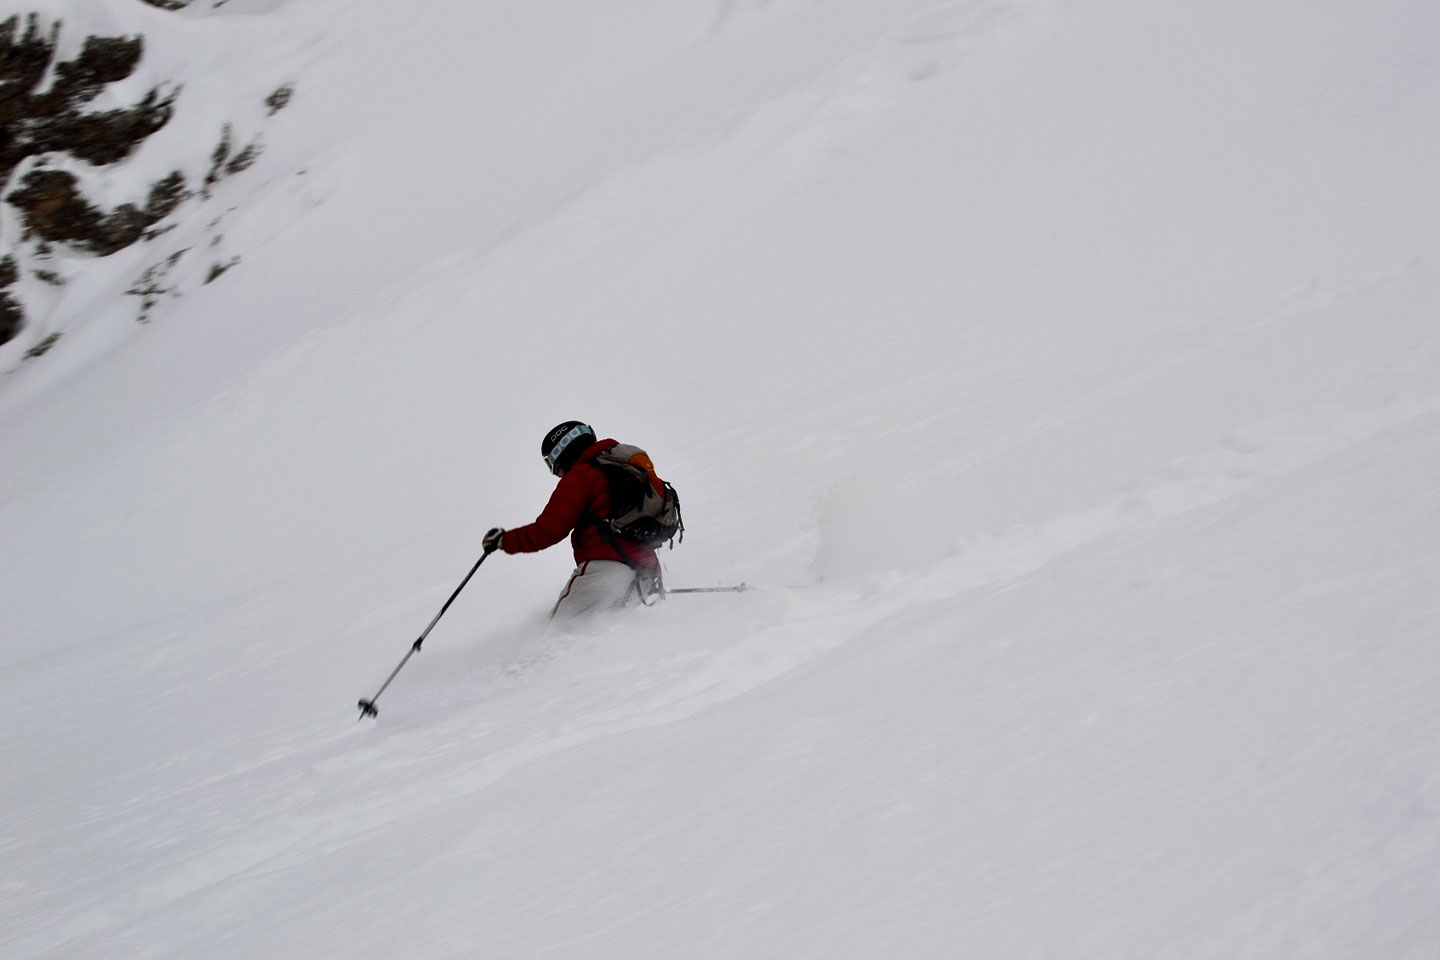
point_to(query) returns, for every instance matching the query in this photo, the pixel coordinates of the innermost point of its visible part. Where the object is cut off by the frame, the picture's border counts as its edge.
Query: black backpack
(638, 510)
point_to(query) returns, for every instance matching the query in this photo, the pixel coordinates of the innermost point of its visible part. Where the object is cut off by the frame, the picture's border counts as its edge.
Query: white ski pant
(596, 585)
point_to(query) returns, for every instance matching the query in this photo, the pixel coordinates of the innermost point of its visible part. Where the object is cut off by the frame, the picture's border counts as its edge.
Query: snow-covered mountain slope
(1065, 377)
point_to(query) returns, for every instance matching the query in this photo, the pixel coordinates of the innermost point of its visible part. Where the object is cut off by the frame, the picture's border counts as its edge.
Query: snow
(1062, 374)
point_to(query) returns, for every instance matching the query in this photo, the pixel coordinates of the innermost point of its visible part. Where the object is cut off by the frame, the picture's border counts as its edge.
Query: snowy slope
(1065, 376)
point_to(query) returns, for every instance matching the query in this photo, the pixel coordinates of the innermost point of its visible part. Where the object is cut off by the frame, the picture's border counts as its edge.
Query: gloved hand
(492, 539)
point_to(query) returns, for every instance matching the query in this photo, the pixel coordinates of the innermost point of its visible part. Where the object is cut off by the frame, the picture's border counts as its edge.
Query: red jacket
(581, 496)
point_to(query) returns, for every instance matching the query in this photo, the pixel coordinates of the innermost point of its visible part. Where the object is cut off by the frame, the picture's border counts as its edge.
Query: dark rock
(280, 99)
(43, 347)
(12, 315)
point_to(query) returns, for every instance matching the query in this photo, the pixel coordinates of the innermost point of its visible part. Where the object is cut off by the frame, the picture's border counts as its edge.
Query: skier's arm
(566, 507)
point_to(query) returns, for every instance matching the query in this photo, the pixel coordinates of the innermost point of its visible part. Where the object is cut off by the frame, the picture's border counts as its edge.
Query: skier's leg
(595, 585)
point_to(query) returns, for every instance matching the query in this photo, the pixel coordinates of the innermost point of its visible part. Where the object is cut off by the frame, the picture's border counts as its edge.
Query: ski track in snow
(1252, 457)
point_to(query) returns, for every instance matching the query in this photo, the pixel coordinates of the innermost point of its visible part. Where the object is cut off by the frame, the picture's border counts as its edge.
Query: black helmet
(563, 445)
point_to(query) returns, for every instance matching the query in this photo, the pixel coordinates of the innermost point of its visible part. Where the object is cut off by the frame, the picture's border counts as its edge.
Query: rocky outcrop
(42, 120)
(37, 120)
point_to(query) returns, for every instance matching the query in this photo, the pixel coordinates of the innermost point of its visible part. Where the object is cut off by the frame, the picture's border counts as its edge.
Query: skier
(611, 570)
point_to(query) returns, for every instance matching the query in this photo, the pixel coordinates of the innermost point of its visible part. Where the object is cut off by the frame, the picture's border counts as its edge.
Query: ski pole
(739, 588)
(367, 707)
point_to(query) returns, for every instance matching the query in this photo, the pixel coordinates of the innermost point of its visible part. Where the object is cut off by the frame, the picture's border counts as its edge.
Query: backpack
(643, 508)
